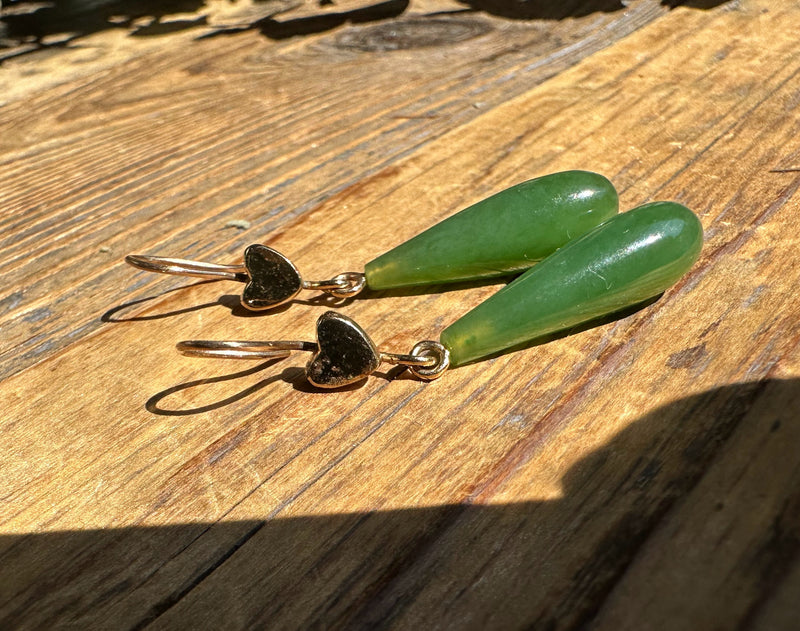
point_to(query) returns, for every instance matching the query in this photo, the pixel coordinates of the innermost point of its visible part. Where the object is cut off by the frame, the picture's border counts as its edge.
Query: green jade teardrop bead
(503, 234)
(626, 260)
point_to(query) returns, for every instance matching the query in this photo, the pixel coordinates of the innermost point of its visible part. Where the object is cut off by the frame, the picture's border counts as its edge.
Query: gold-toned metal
(343, 353)
(184, 267)
(344, 285)
(430, 350)
(407, 360)
(271, 279)
(231, 349)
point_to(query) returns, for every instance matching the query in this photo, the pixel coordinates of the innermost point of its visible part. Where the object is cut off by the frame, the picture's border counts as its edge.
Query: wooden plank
(160, 153)
(637, 475)
(43, 44)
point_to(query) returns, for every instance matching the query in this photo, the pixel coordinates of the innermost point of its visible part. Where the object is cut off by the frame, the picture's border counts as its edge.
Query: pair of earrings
(594, 262)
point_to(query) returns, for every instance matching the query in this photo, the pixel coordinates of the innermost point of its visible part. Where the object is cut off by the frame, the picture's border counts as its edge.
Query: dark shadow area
(693, 4)
(112, 315)
(549, 564)
(36, 25)
(294, 376)
(543, 9)
(229, 301)
(440, 28)
(550, 10)
(275, 29)
(29, 25)
(154, 404)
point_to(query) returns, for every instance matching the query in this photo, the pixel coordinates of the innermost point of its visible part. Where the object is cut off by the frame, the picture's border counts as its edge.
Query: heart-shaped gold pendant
(345, 353)
(273, 278)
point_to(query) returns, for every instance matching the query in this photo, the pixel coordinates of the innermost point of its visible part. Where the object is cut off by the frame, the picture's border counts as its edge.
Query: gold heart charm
(345, 353)
(274, 280)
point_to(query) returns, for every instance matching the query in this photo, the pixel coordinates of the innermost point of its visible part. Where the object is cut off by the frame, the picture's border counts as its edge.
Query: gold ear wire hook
(231, 349)
(271, 279)
(184, 267)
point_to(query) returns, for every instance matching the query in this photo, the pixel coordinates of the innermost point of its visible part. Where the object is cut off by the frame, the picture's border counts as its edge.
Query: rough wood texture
(639, 475)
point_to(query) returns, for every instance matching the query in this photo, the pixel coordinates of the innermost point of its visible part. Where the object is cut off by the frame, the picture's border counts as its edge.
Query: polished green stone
(501, 235)
(626, 260)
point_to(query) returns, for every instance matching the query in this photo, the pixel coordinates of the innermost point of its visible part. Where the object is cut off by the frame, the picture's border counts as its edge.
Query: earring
(625, 261)
(502, 235)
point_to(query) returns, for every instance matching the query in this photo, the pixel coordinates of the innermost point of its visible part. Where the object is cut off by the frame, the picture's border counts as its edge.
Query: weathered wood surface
(640, 475)
(261, 119)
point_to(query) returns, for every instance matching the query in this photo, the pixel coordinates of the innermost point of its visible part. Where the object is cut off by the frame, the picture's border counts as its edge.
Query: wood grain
(639, 475)
(262, 118)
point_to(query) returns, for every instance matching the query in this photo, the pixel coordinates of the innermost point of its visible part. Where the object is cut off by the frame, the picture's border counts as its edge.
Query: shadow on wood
(439, 28)
(289, 375)
(64, 21)
(29, 26)
(275, 29)
(686, 474)
(549, 10)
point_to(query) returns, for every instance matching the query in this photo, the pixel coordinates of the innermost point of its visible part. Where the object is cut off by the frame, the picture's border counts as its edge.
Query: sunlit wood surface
(644, 474)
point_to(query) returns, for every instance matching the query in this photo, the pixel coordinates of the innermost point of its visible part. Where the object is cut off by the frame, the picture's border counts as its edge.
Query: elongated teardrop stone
(503, 234)
(626, 260)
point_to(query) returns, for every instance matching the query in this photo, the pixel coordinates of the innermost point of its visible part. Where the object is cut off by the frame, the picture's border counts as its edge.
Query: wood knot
(411, 33)
(688, 357)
